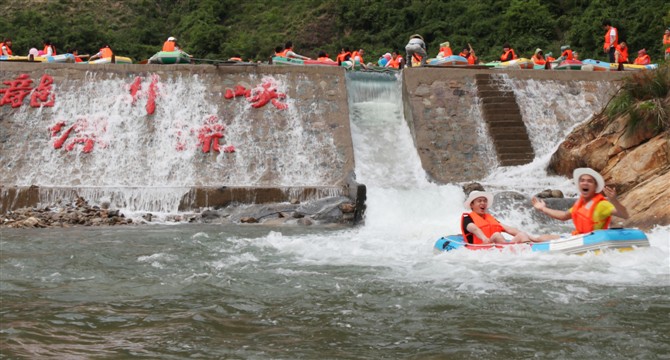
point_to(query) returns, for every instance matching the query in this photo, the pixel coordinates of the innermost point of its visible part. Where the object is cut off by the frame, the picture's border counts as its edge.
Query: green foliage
(645, 99)
(222, 28)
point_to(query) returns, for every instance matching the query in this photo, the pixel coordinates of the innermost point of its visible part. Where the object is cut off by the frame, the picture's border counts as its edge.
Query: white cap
(172, 39)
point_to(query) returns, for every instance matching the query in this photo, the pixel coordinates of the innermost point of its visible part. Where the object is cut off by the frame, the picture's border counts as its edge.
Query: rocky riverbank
(327, 211)
(636, 164)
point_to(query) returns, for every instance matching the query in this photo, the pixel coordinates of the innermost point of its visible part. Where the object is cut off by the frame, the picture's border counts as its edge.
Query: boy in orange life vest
(480, 227)
(666, 43)
(592, 211)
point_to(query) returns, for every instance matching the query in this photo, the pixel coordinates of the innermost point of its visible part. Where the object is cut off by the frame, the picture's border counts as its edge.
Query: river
(373, 291)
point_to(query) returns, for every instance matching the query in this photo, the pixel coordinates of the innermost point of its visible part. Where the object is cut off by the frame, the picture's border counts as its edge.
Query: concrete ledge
(188, 199)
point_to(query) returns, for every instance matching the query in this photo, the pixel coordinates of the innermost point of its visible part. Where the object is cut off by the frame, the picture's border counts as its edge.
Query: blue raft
(596, 241)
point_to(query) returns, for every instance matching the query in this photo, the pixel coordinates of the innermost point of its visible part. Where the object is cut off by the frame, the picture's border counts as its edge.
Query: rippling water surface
(254, 292)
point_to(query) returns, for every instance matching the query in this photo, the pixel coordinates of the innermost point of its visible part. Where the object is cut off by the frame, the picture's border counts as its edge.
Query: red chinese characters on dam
(83, 132)
(259, 96)
(21, 87)
(210, 133)
(135, 88)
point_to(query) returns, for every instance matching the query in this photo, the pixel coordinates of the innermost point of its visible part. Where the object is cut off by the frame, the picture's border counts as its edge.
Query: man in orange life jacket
(469, 54)
(480, 227)
(611, 40)
(508, 53)
(105, 52)
(592, 211)
(171, 44)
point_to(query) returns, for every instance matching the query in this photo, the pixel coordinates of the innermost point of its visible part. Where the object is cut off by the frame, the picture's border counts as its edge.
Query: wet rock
(473, 186)
(248, 220)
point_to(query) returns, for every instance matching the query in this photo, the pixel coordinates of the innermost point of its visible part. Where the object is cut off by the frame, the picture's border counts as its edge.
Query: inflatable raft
(605, 66)
(23, 58)
(596, 241)
(520, 63)
(117, 60)
(170, 57)
(280, 60)
(453, 60)
(62, 58)
(569, 65)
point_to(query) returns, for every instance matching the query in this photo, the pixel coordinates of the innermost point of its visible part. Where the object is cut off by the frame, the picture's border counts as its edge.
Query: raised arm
(541, 206)
(619, 209)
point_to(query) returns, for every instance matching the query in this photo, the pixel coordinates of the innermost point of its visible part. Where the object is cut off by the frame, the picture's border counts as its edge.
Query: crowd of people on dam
(416, 53)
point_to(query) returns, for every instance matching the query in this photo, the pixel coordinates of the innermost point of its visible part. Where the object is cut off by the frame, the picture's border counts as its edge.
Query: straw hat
(416, 36)
(537, 50)
(477, 194)
(445, 44)
(600, 182)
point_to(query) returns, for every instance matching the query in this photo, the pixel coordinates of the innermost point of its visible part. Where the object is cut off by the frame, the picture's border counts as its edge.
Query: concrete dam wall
(174, 138)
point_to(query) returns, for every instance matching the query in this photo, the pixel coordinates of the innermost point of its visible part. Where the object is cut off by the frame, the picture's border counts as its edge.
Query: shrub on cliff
(645, 99)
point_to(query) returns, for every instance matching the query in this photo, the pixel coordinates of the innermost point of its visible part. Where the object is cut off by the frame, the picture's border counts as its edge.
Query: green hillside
(218, 29)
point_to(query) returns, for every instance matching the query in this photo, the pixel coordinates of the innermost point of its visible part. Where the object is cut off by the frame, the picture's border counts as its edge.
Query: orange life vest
(394, 63)
(106, 52)
(583, 217)
(9, 51)
(666, 42)
(446, 51)
(643, 60)
(567, 54)
(235, 58)
(505, 55)
(550, 59)
(487, 224)
(538, 60)
(169, 46)
(623, 58)
(468, 56)
(46, 50)
(607, 38)
(354, 54)
(282, 53)
(324, 59)
(343, 57)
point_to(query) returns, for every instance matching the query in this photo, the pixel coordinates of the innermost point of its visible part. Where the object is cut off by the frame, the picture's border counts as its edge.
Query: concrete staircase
(506, 127)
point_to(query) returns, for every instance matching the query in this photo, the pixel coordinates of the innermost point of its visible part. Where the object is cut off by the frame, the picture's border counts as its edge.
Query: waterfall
(141, 139)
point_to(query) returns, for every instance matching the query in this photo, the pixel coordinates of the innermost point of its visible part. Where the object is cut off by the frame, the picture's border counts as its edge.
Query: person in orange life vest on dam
(469, 54)
(445, 50)
(6, 47)
(538, 57)
(416, 46)
(288, 52)
(171, 44)
(480, 227)
(105, 52)
(642, 58)
(611, 40)
(593, 210)
(508, 53)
